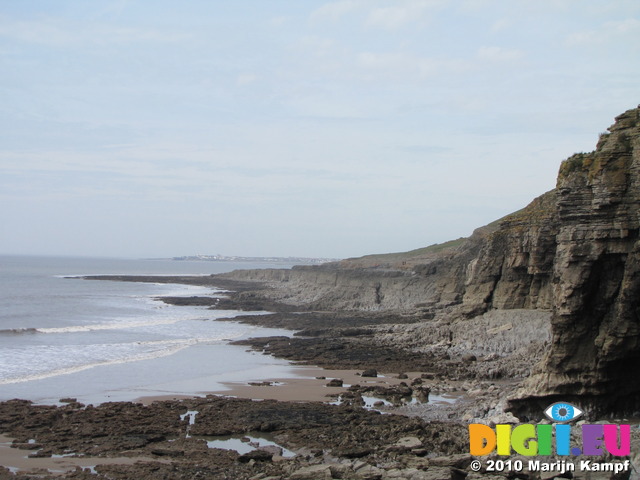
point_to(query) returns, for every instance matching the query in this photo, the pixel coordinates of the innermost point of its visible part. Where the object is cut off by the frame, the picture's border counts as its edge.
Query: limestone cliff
(574, 251)
(508, 264)
(596, 276)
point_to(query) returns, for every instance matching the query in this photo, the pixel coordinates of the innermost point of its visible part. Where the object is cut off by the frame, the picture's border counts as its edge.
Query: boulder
(256, 455)
(369, 472)
(409, 443)
(313, 472)
(460, 461)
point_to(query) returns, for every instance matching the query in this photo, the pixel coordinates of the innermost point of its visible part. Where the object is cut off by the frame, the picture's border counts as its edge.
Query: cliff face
(514, 268)
(574, 251)
(330, 288)
(596, 275)
(506, 265)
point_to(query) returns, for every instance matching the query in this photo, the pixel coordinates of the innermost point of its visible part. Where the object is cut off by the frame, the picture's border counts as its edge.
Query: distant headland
(225, 258)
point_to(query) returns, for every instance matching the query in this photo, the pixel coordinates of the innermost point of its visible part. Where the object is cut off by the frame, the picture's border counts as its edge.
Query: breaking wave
(18, 331)
(115, 354)
(118, 325)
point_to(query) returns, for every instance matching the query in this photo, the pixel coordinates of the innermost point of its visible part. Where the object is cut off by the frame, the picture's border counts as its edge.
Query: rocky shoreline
(491, 353)
(328, 441)
(404, 436)
(538, 307)
(412, 439)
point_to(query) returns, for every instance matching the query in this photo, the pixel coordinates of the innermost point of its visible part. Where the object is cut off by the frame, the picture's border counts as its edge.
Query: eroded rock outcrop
(574, 251)
(596, 276)
(514, 269)
(504, 265)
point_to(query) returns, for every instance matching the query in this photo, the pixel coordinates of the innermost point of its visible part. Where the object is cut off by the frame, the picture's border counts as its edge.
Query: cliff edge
(573, 252)
(595, 324)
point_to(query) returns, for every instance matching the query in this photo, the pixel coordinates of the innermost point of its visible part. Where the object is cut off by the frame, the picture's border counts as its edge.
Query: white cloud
(40, 32)
(499, 54)
(472, 6)
(388, 16)
(324, 106)
(622, 27)
(318, 46)
(335, 10)
(396, 64)
(109, 35)
(56, 33)
(501, 25)
(246, 79)
(401, 13)
(278, 22)
(115, 8)
(609, 31)
(407, 66)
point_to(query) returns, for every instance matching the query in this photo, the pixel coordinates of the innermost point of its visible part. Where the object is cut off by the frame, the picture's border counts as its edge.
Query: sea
(64, 336)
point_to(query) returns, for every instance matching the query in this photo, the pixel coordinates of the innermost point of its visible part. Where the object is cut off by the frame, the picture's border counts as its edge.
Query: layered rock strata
(574, 251)
(596, 276)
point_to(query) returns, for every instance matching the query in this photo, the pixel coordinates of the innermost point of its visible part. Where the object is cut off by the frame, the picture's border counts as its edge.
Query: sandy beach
(308, 385)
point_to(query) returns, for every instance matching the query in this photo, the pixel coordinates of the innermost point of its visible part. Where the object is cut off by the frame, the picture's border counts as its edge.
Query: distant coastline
(224, 258)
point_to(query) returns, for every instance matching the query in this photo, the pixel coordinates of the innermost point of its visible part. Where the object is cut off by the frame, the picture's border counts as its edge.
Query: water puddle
(371, 403)
(247, 443)
(240, 443)
(266, 384)
(375, 403)
(447, 398)
(192, 416)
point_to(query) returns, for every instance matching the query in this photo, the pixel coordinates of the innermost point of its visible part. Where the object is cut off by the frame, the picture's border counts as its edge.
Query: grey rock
(335, 382)
(409, 443)
(312, 472)
(369, 472)
(256, 456)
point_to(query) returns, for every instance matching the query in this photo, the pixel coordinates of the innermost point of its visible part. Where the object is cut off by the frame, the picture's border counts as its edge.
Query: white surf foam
(111, 326)
(112, 354)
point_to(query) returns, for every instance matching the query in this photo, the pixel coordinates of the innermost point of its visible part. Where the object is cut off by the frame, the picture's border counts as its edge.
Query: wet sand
(18, 460)
(309, 385)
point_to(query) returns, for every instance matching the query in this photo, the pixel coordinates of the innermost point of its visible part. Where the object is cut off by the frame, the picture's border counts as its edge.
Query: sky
(154, 128)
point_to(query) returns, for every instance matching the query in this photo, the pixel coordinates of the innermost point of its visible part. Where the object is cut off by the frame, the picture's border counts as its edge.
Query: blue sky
(330, 129)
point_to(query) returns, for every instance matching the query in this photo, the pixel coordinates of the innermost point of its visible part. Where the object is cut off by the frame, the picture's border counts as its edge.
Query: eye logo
(538, 440)
(562, 412)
